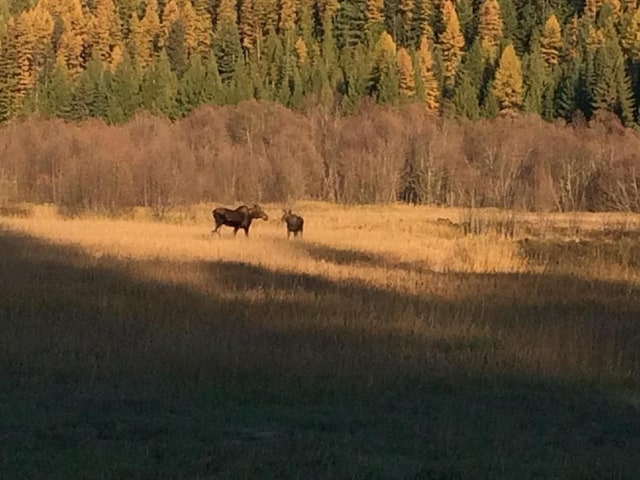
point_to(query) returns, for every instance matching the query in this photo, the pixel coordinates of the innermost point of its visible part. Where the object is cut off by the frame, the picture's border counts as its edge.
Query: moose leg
(235, 230)
(246, 231)
(288, 234)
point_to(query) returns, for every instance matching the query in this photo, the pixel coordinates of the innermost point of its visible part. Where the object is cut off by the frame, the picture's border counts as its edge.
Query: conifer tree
(226, 45)
(551, 41)
(150, 33)
(465, 95)
(56, 93)
(451, 41)
(286, 16)
(104, 29)
(490, 28)
(9, 96)
(630, 36)
(466, 18)
(422, 21)
(374, 14)
(191, 91)
(213, 90)
(90, 94)
(170, 15)
(535, 81)
(123, 91)
(430, 89)
(406, 74)
(175, 46)
(384, 79)
(159, 87)
(247, 25)
(509, 17)
(405, 21)
(611, 87)
(507, 85)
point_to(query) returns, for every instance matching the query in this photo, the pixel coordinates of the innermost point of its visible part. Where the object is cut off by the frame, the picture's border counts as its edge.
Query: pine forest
(559, 64)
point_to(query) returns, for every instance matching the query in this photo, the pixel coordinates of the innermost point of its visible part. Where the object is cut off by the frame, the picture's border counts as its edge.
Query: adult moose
(295, 223)
(240, 218)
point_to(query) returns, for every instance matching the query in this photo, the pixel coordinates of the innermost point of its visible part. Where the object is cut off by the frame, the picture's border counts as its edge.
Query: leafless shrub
(260, 151)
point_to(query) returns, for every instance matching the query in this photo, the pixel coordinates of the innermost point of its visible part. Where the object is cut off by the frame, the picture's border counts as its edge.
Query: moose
(295, 223)
(240, 218)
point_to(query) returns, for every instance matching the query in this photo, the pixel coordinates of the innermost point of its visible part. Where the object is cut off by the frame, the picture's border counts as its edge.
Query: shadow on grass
(106, 375)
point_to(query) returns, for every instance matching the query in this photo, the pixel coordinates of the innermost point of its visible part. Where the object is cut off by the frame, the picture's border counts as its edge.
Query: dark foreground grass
(104, 375)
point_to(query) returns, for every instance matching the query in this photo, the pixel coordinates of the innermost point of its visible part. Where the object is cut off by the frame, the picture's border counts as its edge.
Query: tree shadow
(110, 374)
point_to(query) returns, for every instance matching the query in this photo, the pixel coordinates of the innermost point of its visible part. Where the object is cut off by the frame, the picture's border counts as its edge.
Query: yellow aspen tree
(247, 26)
(490, 28)
(551, 41)
(431, 90)
(629, 5)
(451, 41)
(406, 74)
(286, 15)
(301, 52)
(507, 85)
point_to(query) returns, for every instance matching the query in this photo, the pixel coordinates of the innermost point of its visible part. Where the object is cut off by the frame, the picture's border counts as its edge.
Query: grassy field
(386, 344)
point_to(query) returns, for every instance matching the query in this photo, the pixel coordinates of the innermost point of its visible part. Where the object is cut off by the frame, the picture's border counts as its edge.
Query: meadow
(392, 342)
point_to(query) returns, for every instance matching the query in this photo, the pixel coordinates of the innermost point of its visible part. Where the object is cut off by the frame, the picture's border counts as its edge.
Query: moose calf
(295, 223)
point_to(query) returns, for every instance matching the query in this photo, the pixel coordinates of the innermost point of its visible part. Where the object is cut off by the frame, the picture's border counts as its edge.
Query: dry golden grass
(384, 320)
(466, 287)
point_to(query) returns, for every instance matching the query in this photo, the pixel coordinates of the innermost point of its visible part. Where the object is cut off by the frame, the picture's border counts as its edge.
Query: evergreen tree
(191, 91)
(123, 92)
(384, 78)
(90, 94)
(535, 80)
(56, 93)
(175, 47)
(159, 87)
(611, 87)
(465, 95)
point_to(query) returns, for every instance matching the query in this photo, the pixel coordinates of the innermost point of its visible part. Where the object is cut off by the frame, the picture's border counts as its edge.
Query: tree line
(265, 152)
(109, 59)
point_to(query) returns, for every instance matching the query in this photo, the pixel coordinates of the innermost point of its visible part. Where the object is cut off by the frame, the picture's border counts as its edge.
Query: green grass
(106, 373)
